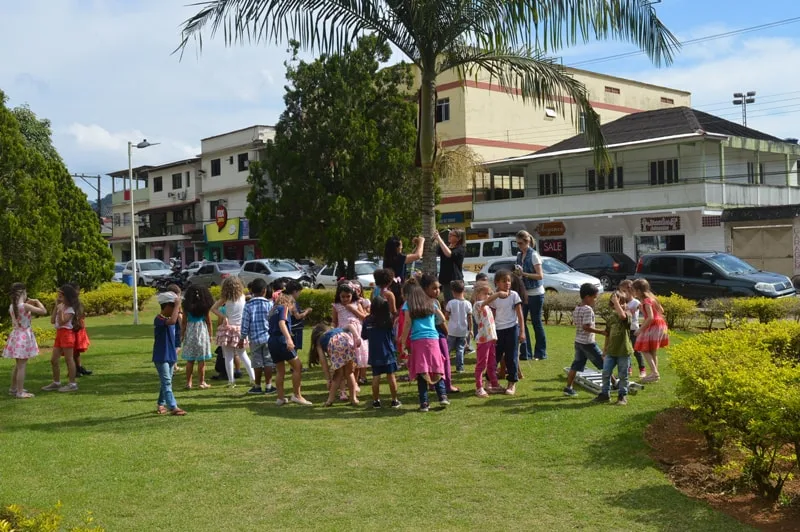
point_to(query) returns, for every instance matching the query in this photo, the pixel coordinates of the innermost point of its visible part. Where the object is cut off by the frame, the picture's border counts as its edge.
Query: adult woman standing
(451, 257)
(394, 259)
(529, 267)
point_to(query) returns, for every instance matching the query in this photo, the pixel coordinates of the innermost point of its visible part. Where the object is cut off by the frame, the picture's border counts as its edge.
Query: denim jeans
(508, 348)
(622, 363)
(422, 387)
(165, 396)
(637, 354)
(457, 343)
(535, 305)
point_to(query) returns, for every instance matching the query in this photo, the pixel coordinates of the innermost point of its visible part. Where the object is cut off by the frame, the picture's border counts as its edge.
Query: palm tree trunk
(427, 141)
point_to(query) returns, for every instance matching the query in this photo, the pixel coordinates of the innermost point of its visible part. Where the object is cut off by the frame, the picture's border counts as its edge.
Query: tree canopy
(339, 177)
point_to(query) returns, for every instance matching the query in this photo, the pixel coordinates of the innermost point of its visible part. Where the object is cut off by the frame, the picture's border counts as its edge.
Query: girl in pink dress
(347, 311)
(362, 352)
(652, 334)
(21, 344)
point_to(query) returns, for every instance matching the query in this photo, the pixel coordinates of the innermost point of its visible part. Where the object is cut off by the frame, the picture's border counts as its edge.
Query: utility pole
(85, 178)
(743, 98)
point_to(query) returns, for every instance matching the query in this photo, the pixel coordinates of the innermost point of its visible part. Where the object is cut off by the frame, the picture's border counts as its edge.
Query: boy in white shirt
(459, 316)
(510, 326)
(586, 349)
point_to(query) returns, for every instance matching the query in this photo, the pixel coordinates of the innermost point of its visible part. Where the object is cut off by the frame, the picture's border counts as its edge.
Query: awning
(170, 207)
(489, 223)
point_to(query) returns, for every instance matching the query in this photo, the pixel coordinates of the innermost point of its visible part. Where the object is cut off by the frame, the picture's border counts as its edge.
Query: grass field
(535, 461)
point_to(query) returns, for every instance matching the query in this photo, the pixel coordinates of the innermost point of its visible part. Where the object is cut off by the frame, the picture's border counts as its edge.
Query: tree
(508, 39)
(321, 190)
(85, 258)
(29, 235)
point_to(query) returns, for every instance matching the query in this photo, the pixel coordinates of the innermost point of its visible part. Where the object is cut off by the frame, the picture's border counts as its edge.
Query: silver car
(558, 277)
(147, 271)
(273, 269)
(213, 273)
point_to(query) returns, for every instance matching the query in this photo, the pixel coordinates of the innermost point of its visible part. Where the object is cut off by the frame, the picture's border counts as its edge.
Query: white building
(673, 173)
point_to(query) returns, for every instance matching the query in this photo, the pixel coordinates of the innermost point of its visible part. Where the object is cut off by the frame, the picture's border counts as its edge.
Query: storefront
(229, 239)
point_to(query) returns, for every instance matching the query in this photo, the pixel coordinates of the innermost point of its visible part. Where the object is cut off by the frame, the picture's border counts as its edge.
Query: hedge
(14, 517)
(743, 387)
(107, 298)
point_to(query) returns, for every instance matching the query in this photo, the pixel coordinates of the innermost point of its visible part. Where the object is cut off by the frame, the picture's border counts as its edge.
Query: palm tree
(508, 39)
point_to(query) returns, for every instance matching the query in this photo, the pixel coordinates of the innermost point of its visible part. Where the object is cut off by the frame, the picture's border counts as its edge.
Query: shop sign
(661, 223)
(221, 217)
(556, 248)
(550, 229)
(245, 225)
(229, 231)
(451, 218)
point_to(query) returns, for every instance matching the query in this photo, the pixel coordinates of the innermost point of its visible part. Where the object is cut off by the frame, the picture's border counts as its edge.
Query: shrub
(321, 301)
(14, 518)
(108, 298)
(216, 291)
(763, 309)
(678, 311)
(717, 310)
(741, 385)
(558, 305)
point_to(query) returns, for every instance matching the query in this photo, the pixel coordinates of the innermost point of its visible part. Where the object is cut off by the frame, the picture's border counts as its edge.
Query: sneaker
(424, 407)
(84, 371)
(569, 392)
(642, 373)
(622, 401)
(511, 390)
(13, 392)
(396, 404)
(301, 401)
(281, 402)
(651, 378)
(480, 392)
(71, 387)
(270, 389)
(237, 374)
(444, 401)
(376, 404)
(601, 398)
(255, 390)
(52, 387)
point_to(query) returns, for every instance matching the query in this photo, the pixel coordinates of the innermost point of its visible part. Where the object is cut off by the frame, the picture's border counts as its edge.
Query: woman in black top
(393, 258)
(451, 260)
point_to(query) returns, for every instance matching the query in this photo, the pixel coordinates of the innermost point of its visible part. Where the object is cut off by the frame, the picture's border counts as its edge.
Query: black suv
(610, 268)
(708, 275)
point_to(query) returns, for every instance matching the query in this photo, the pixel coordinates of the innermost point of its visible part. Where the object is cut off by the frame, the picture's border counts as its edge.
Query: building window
(712, 221)
(664, 172)
(214, 204)
(611, 244)
(752, 178)
(188, 179)
(604, 180)
(126, 218)
(668, 101)
(582, 122)
(117, 220)
(442, 110)
(551, 184)
(244, 162)
(177, 217)
(158, 186)
(612, 90)
(177, 181)
(216, 167)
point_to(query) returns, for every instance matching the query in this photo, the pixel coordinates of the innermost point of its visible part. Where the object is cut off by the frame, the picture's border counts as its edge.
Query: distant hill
(105, 205)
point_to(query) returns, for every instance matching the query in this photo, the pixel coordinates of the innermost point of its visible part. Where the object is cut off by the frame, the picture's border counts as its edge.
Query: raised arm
(34, 306)
(176, 312)
(446, 251)
(420, 242)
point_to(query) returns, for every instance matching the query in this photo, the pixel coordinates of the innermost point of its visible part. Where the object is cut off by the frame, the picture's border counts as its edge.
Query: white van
(477, 252)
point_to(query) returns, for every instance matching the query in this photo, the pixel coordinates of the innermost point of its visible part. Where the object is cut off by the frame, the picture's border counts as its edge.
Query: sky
(104, 73)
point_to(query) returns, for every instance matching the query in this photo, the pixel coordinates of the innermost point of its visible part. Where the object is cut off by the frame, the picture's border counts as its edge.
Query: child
(282, 350)
(362, 351)
(278, 286)
(293, 288)
(347, 311)
(175, 289)
(585, 346)
(508, 321)
(230, 326)
(21, 344)
(378, 331)
(459, 316)
(617, 351)
(255, 328)
(335, 350)
(197, 330)
(519, 287)
(384, 285)
(633, 305)
(165, 353)
(653, 334)
(430, 284)
(82, 342)
(486, 337)
(426, 363)
(66, 318)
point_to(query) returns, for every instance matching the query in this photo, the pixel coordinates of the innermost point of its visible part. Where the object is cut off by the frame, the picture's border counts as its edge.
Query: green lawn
(535, 461)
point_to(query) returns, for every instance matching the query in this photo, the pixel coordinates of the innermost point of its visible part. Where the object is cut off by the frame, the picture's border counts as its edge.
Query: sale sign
(222, 217)
(556, 248)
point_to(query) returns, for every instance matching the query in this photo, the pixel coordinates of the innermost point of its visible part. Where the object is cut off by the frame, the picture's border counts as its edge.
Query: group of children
(403, 325)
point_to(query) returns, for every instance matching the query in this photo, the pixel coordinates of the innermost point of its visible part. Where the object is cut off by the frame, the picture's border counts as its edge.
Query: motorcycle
(178, 278)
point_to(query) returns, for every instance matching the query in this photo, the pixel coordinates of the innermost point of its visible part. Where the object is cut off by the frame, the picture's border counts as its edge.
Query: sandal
(177, 412)
(327, 403)
(161, 410)
(188, 387)
(24, 395)
(204, 386)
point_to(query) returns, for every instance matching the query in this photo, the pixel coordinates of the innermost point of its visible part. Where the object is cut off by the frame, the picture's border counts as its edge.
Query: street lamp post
(131, 145)
(743, 98)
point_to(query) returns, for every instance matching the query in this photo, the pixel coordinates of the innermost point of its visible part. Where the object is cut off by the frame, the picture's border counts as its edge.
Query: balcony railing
(180, 229)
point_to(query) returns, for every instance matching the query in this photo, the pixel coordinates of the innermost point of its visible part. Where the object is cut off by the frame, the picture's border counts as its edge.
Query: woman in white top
(230, 325)
(529, 267)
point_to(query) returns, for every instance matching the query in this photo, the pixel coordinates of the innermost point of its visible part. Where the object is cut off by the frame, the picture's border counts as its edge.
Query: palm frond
(324, 26)
(534, 78)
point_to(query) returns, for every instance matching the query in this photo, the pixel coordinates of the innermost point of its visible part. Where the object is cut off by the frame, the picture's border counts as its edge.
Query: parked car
(213, 273)
(147, 271)
(469, 276)
(709, 275)
(558, 277)
(330, 274)
(119, 267)
(273, 269)
(610, 268)
(193, 267)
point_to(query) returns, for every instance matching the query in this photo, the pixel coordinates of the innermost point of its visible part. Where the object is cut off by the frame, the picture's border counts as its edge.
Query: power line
(698, 40)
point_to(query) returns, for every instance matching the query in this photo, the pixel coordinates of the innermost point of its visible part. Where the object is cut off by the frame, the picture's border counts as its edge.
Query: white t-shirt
(633, 308)
(506, 311)
(458, 324)
(234, 311)
(69, 312)
(536, 259)
(583, 315)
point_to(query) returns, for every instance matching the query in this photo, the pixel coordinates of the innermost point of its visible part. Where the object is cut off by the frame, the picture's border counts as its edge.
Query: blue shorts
(584, 353)
(280, 353)
(387, 369)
